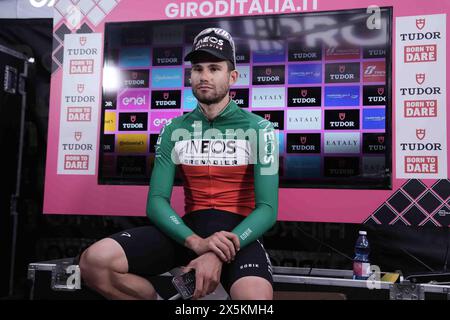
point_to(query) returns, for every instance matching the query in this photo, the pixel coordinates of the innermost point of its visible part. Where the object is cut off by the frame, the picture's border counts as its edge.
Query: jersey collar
(226, 112)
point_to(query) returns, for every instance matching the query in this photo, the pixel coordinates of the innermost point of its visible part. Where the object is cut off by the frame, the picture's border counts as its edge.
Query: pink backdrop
(77, 194)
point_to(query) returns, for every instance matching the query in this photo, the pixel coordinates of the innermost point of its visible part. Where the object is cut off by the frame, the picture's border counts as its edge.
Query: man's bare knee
(101, 258)
(251, 288)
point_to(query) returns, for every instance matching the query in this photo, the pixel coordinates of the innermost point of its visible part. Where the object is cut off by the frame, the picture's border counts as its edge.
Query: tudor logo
(232, 94)
(133, 118)
(342, 68)
(341, 116)
(134, 75)
(80, 88)
(380, 91)
(83, 41)
(303, 140)
(167, 53)
(166, 95)
(420, 134)
(268, 71)
(420, 23)
(267, 116)
(380, 139)
(420, 78)
(78, 135)
(304, 92)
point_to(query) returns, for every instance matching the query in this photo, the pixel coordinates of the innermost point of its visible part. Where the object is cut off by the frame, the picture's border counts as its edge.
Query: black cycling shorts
(150, 252)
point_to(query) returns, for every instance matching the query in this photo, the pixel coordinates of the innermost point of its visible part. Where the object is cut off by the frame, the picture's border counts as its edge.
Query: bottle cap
(363, 233)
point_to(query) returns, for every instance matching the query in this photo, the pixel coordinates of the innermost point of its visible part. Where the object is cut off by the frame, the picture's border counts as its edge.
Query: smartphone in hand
(185, 284)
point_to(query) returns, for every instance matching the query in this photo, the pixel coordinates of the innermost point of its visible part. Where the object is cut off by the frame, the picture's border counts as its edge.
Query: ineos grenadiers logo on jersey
(133, 121)
(215, 148)
(166, 99)
(214, 152)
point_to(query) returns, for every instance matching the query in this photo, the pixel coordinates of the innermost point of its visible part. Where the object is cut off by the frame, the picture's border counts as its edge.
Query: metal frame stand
(16, 195)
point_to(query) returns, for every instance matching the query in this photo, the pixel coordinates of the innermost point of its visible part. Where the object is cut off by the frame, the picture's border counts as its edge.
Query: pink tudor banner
(355, 90)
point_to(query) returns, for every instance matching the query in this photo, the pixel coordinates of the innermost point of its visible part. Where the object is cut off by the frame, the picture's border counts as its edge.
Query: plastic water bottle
(361, 264)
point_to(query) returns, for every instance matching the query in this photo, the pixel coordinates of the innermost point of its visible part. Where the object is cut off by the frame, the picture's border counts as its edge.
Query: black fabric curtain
(32, 38)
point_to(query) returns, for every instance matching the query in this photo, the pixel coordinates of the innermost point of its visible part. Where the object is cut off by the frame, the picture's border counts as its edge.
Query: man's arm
(264, 215)
(166, 219)
(159, 210)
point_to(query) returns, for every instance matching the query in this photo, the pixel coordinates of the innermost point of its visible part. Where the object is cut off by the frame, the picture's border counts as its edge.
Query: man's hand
(223, 243)
(208, 268)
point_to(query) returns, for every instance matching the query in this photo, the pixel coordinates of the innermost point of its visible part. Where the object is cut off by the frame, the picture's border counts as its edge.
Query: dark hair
(230, 65)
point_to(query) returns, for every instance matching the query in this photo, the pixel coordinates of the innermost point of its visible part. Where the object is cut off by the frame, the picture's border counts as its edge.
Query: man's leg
(104, 268)
(251, 288)
(249, 276)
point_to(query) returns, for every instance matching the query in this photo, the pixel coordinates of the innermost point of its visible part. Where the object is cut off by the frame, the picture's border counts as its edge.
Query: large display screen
(323, 79)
